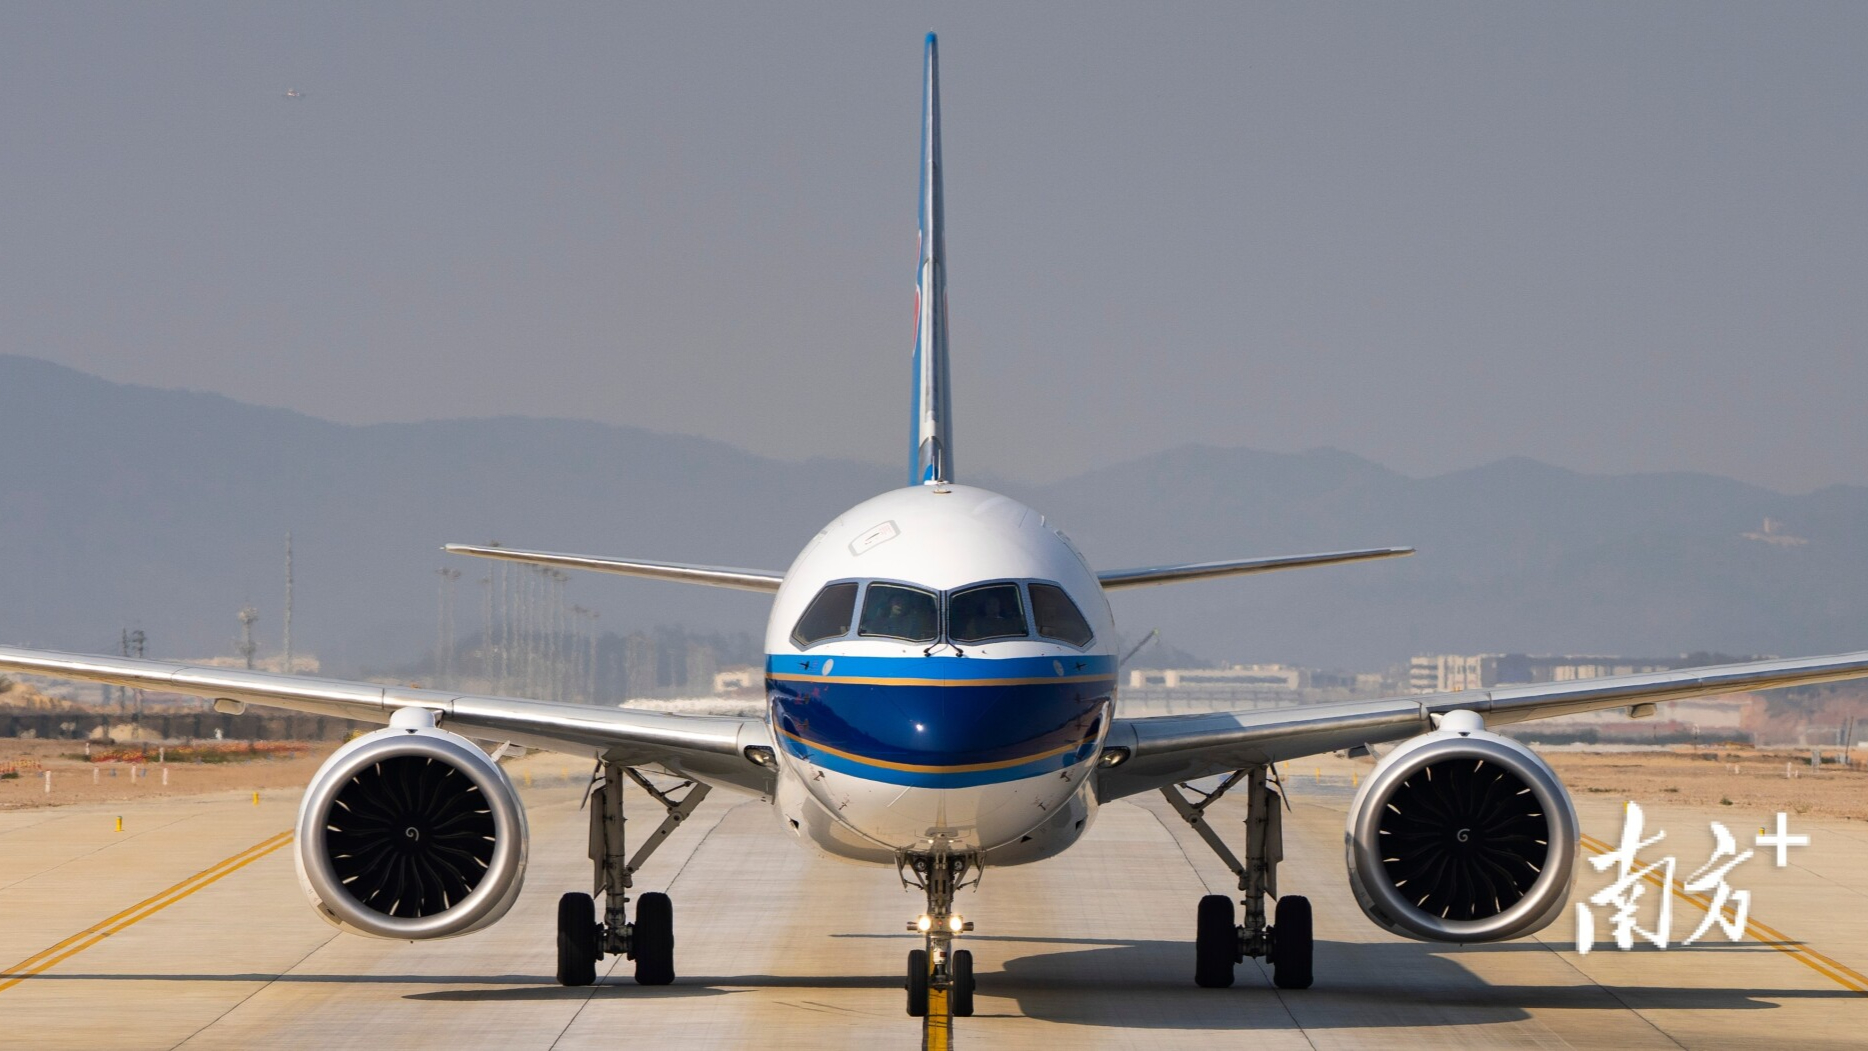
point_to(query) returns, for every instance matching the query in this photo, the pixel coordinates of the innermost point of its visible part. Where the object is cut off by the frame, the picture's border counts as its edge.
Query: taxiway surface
(187, 929)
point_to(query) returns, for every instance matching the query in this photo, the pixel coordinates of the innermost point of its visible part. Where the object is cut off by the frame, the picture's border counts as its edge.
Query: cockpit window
(828, 616)
(990, 612)
(1058, 617)
(892, 611)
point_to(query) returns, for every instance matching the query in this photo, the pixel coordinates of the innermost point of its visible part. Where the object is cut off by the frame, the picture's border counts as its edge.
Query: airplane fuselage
(926, 687)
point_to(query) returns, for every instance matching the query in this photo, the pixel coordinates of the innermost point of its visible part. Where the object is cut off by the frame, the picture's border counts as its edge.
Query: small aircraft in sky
(941, 687)
(294, 93)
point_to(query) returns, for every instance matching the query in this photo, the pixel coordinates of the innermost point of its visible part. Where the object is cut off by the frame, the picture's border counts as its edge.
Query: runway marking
(142, 910)
(1834, 970)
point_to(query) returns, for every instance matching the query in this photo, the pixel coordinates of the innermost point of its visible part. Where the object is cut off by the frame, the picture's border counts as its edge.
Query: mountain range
(165, 510)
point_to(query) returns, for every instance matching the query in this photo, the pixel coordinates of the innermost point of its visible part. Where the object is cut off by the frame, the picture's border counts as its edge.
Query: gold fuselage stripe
(969, 768)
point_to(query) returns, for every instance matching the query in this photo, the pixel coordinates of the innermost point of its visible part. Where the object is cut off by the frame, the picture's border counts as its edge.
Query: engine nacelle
(411, 833)
(1461, 835)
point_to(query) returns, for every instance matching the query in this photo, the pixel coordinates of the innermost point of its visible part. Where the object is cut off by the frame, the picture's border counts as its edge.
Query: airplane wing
(681, 573)
(1140, 578)
(1171, 749)
(712, 749)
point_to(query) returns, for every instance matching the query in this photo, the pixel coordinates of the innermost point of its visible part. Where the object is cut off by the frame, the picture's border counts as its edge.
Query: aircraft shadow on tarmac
(1149, 984)
(1145, 985)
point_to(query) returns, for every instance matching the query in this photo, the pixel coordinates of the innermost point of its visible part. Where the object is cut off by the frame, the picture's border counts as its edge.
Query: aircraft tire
(1215, 944)
(961, 993)
(653, 944)
(1291, 944)
(577, 940)
(917, 983)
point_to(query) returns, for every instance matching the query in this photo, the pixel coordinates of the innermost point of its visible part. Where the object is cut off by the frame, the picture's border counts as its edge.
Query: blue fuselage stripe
(940, 722)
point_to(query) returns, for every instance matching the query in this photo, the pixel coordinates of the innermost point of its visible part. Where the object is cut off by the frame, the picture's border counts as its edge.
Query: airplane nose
(901, 758)
(940, 736)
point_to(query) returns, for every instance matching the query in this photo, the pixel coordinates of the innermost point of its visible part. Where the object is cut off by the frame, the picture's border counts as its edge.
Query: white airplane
(941, 684)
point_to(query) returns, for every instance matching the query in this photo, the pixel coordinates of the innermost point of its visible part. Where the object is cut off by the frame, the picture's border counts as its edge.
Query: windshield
(1058, 617)
(828, 616)
(891, 611)
(993, 611)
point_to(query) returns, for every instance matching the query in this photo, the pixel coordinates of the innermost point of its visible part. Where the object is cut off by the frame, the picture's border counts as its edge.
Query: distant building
(1773, 534)
(728, 682)
(1167, 691)
(1447, 672)
(1272, 676)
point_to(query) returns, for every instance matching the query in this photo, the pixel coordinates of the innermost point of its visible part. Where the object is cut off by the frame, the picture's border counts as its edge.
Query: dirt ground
(75, 780)
(1753, 779)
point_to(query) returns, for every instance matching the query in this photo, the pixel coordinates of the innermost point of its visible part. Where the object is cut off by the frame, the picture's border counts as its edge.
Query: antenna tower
(247, 646)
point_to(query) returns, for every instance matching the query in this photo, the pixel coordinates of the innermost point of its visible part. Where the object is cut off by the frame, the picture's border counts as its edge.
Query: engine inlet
(1463, 839)
(413, 835)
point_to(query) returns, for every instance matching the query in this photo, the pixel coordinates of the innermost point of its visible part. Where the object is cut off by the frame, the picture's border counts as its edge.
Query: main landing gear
(650, 940)
(940, 977)
(1219, 942)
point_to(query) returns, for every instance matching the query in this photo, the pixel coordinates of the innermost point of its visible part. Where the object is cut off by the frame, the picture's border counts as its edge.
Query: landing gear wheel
(653, 943)
(1290, 953)
(917, 983)
(960, 995)
(1215, 943)
(577, 940)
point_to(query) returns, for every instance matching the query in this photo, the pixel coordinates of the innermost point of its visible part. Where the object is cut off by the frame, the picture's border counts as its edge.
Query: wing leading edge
(678, 572)
(706, 748)
(1139, 578)
(1165, 750)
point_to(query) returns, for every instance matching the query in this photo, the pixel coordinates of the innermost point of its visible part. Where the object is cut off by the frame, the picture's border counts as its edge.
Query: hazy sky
(1616, 237)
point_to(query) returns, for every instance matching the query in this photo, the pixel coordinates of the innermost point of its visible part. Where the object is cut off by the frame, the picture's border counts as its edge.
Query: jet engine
(411, 832)
(1461, 835)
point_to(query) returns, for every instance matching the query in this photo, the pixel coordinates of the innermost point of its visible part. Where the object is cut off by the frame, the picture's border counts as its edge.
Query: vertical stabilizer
(930, 451)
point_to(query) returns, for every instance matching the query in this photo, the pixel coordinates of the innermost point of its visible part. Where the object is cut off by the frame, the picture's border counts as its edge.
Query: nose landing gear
(940, 977)
(1219, 943)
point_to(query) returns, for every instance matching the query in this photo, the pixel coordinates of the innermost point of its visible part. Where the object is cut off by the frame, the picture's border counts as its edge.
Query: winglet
(930, 449)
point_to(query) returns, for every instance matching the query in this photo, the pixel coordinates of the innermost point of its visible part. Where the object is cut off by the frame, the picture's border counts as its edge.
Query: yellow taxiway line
(1840, 973)
(142, 910)
(937, 1026)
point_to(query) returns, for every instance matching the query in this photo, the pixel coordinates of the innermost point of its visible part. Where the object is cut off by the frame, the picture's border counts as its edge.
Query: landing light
(956, 924)
(761, 755)
(925, 923)
(1113, 757)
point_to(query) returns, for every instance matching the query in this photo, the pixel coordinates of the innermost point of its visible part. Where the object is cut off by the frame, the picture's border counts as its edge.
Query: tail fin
(930, 451)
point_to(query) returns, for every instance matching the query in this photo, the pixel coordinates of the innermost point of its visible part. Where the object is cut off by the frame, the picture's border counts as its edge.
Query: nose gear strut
(940, 978)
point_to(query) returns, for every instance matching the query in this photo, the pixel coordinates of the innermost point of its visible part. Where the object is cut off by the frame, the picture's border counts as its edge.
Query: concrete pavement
(778, 948)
